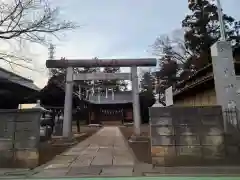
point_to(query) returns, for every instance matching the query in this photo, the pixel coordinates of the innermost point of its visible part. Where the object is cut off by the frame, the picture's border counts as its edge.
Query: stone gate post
(67, 123)
(136, 102)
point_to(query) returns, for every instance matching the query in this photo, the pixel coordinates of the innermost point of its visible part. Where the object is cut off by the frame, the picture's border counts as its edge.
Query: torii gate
(70, 77)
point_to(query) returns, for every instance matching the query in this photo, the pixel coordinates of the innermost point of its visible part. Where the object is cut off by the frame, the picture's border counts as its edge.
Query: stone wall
(19, 138)
(188, 136)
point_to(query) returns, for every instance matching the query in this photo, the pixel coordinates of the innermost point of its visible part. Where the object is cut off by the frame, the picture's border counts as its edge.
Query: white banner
(169, 96)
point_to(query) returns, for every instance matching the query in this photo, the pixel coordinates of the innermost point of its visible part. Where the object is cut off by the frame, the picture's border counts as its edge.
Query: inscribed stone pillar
(224, 76)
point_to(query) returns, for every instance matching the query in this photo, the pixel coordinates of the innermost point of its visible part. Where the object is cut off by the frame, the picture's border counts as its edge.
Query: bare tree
(32, 20)
(28, 20)
(172, 55)
(174, 48)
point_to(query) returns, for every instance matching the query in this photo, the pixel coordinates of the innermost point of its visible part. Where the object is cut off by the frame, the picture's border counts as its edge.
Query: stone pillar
(224, 76)
(67, 121)
(136, 102)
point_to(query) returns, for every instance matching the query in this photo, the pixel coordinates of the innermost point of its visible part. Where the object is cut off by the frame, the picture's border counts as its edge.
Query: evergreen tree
(170, 58)
(147, 82)
(117, 85)
(146, 95)
(203, 30)
(58, 77)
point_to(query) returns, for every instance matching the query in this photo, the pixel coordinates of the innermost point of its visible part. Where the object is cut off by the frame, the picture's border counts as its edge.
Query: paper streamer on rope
(87, 94)
(106, 93)
(80, 92)
(99, 95)
(112, 94)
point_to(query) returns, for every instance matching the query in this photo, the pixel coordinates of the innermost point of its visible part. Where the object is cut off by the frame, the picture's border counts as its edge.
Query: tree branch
(30, 19)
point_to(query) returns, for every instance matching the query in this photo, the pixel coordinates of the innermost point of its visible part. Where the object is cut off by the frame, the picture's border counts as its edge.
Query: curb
(136, 161)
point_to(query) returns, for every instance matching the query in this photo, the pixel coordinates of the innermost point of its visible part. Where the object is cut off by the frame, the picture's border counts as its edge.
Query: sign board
(102, 76)
(169, 96)
(26, 106)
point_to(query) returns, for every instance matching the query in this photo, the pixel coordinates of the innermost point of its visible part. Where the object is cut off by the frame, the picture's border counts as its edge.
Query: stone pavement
(164, 173)
(103, 154)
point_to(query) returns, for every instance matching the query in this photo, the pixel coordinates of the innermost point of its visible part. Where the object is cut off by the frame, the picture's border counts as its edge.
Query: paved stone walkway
(105, 154)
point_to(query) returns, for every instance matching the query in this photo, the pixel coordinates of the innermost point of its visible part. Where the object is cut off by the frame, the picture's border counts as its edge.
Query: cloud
(111, 29)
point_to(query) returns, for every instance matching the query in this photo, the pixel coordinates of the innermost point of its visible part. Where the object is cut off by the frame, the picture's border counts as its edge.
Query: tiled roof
(12, 77)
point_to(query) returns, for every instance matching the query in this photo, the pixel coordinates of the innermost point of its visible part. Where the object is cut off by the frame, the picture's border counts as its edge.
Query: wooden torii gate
(71, 77)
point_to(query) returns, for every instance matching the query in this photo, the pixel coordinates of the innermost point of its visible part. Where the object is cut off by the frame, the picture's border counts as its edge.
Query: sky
(111, 29)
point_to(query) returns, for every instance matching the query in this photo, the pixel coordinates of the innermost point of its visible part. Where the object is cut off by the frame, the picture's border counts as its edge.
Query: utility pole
(220, 16)
(51, 52)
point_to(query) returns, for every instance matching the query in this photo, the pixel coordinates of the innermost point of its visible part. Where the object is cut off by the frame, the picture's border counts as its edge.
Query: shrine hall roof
(122, 97)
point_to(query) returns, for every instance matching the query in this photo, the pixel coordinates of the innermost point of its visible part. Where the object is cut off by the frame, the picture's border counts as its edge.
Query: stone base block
(135, 138)
(6, 159)
(26, 158)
